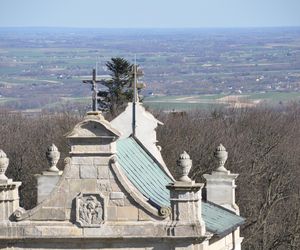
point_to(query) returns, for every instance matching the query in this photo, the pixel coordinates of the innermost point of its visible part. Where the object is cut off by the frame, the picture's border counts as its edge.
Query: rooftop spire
(134, 99)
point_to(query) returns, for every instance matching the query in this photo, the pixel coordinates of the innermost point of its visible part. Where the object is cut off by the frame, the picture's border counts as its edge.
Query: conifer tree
(118, 90)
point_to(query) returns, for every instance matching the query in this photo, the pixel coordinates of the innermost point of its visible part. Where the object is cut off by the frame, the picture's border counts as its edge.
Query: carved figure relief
(90, 210)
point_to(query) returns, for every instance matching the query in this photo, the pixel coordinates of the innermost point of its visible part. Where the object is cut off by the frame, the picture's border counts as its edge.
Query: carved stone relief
(90, 210)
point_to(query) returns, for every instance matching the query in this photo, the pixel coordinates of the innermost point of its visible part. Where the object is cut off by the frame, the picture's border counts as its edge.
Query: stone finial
(4, 161)
(221, 154)
(52, 155)
(184, 164)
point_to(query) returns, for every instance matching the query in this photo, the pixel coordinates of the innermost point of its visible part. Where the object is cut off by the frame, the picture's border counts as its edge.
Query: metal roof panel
(150, 179)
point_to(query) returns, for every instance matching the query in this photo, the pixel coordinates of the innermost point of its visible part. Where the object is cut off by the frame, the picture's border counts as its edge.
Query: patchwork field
(179, 103)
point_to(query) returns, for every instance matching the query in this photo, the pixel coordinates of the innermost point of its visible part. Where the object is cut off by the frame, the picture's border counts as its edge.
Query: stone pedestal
(220, 184)
(220, 189)
(45, 183)
(9, 198)
(185, 200)
(185, 197)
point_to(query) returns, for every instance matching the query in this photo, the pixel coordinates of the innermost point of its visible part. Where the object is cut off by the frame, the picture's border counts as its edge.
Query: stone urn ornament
(221, 155)
(4, 161)
(52, 155)
(184, 164)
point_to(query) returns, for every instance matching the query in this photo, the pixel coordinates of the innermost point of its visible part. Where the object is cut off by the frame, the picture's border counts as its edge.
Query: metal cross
(94, 89)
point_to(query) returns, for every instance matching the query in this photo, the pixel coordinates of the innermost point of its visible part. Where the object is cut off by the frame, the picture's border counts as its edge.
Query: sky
(149, 13)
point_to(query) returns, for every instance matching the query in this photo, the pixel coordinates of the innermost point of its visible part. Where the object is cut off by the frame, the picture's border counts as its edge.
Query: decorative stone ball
(221, 154)
(52, 155)
(184, 164)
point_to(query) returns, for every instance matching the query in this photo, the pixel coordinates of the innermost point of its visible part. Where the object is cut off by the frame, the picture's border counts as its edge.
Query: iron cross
(94, 89)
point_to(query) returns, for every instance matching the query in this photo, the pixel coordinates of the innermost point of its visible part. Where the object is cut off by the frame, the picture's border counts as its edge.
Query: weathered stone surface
(60, 231)
(9, 198)
(185, 196)
(68, 213)
(112, 213)
(143, 216)
(103, 172)
(104, 186)
(88, 185)
(59, 198)
(118, 203)
(82, 160)
(50, 213)
(88, 172)
(32, 231)
(73, 172)
(45, 184)
(224, 181)
(220, 184)
(116, 195)
(104, 160)
(75, 186)
(127, 213)
(117, 198)
(128, 201)
(114, 186)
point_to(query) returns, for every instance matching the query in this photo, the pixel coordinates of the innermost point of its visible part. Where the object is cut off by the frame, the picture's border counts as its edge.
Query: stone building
(115, 192)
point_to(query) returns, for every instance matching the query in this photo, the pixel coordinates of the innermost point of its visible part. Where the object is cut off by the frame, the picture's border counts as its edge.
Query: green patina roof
(219, 220)
(144, 173)
(151, 180)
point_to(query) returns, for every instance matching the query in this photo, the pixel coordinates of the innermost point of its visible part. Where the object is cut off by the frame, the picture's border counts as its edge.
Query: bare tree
(263, 146)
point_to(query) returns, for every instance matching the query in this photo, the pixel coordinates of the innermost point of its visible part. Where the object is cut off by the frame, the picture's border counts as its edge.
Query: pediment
(93, 126)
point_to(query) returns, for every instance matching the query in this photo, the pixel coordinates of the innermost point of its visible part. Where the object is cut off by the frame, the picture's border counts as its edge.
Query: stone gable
(112, 194)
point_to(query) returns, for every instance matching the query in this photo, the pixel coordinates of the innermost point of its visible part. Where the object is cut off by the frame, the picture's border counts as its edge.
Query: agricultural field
(215, 101)
(42, 68)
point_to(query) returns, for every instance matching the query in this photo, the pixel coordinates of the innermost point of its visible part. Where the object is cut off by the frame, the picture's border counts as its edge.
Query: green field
(187, 103)
(179, 103)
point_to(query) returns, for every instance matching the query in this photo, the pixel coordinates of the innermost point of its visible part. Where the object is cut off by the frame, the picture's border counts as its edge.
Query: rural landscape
(235, 86)
(43, 69)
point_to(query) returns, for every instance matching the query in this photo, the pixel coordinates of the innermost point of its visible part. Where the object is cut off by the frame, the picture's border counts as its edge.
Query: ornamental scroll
(90, 210)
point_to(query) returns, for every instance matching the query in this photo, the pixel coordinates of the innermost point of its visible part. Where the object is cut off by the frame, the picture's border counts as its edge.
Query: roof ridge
(151, 156)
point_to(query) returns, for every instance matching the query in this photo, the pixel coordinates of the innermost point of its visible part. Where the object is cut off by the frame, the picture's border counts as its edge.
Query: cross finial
(93, 82)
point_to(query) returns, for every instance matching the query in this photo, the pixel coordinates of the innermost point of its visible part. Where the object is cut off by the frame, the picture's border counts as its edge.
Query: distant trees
(25, 139)
(263, 146)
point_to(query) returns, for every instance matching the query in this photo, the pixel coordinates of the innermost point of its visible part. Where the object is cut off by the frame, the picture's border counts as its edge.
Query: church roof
(146, 174)
(219, 220)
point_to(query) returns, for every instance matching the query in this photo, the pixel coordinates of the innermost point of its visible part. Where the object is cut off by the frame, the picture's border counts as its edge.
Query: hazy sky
(150, 13)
